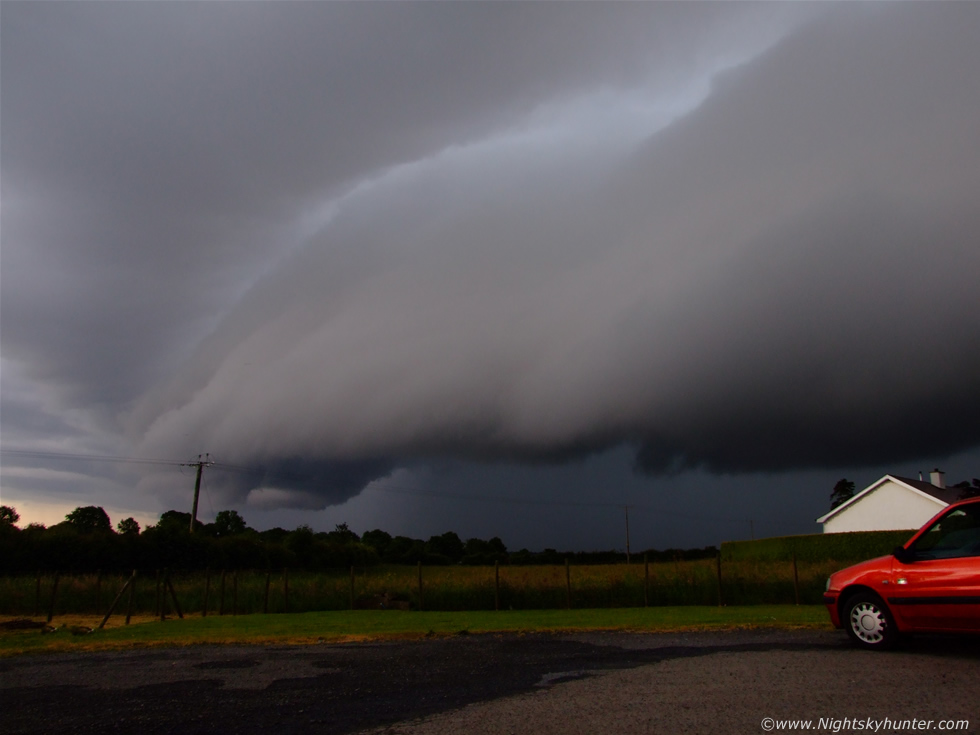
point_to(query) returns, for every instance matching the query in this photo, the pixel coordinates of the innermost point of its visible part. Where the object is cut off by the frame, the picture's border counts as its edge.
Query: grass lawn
(360, 625)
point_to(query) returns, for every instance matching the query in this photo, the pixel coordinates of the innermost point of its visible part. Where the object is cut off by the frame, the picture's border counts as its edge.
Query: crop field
(445, 588)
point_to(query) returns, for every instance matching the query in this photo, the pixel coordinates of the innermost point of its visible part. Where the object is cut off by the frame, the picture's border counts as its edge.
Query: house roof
(947, 495)
(942, 496)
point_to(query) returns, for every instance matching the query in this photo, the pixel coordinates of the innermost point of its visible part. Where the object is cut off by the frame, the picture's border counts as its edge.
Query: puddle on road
(237, 663)
(562, 676)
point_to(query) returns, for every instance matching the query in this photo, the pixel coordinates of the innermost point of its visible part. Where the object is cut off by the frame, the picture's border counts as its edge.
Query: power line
(494, 498)
(404, 490)
(401, 490)
(28, 453)
(569, 503)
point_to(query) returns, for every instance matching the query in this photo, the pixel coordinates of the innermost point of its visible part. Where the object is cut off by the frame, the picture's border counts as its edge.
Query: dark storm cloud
(782, 279)
(855, 345)
(158, 157)
(296, 482)
(345, 238)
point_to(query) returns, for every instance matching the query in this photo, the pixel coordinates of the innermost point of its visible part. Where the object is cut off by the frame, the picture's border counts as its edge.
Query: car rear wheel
(868, 621)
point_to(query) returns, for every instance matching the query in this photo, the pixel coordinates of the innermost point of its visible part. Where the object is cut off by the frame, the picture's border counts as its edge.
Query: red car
(931, 584)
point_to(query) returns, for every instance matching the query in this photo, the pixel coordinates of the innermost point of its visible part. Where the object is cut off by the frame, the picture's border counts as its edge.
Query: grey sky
(578, 252)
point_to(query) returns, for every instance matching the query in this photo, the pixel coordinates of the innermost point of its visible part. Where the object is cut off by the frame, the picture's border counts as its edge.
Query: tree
(404, 550)
(300, 541)
(274, 536)
(8, 516)
(229, 523)
(89, 519)
(377, 539)
(843, 491)
(128, 527)
(478, 551)
(174, 520)
(448, 545)
(497, 545)
(967, 490)
(343, 534)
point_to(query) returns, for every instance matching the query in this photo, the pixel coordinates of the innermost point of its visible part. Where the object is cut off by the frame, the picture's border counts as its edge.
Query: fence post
(115, 602)
(37, 595)
(646, 581)
(173, 596)
(54, 595)
(207, 591)
(568, 586)
(285, 589)
(420, 587)
(352, 587)
(496, 585)
(163, 597)
(265, 600)
(796, 581)
(718, 559)
(234, 592)
(221, 594)
(129, 602)
(98, 589)
(156, 599)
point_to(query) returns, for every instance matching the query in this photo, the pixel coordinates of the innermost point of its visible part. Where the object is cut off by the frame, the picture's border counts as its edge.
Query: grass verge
(360, 625)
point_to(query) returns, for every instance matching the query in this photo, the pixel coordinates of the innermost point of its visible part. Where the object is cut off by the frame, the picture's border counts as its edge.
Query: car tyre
(869, 622)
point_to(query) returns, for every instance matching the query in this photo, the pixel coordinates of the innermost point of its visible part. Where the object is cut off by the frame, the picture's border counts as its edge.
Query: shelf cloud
(329, 241)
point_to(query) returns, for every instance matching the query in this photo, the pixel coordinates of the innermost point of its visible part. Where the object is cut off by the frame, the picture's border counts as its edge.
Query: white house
(891, 503)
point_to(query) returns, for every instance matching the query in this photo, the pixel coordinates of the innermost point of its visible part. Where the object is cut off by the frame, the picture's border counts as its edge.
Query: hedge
(816, 547)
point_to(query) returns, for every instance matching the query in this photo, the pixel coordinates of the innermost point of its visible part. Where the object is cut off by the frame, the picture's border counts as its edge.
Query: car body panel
(922, 593)
(937, 594)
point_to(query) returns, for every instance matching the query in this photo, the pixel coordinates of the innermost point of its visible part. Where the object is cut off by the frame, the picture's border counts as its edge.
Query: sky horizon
(500, 269)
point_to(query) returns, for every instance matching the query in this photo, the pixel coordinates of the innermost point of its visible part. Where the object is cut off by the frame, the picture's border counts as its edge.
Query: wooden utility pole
(200, 464)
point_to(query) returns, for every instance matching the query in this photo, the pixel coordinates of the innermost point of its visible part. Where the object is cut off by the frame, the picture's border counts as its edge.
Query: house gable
(891, 503)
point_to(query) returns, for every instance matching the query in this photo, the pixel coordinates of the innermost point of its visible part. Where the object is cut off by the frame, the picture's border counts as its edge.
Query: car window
(955, 534)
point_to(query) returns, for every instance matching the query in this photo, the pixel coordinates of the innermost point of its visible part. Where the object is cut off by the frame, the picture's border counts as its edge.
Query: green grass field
(311, 607)
(359, 625)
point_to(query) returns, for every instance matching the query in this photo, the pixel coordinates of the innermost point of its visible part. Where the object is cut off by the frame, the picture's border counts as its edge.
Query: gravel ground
(589, 683)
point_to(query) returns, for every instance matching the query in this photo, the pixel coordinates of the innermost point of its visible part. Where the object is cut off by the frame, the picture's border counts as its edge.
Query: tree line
(86, 541)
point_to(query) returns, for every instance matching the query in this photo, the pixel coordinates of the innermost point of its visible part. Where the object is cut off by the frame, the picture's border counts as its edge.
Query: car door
(937, 585)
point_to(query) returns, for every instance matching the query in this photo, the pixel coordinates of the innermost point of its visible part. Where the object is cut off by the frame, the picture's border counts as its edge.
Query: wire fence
(163, 592)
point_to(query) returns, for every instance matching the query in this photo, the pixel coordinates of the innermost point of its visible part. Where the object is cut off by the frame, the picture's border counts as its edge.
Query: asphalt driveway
(603, 683)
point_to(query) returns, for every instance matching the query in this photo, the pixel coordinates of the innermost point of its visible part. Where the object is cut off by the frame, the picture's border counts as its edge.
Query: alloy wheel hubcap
(868, 622)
